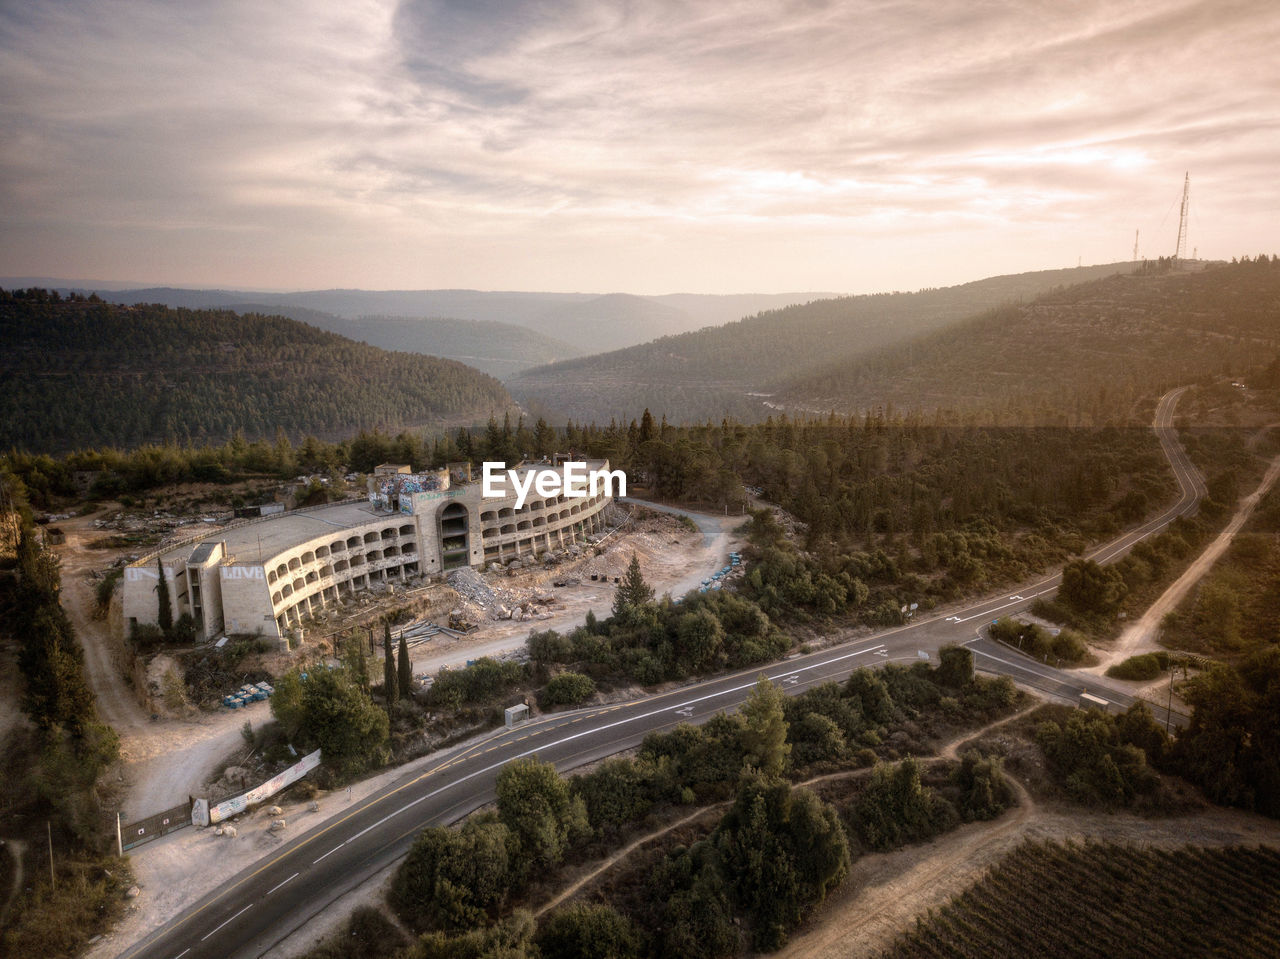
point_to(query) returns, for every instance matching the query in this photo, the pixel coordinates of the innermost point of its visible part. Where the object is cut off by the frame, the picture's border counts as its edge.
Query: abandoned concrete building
(266, 576)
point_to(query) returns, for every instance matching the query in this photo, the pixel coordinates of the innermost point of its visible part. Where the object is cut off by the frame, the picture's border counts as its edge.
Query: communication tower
(1182, 218)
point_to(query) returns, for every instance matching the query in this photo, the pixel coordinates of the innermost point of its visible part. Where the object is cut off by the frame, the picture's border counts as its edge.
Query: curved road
(268, 901)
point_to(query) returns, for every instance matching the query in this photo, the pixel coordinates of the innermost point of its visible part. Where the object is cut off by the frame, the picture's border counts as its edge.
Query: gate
(153, 827)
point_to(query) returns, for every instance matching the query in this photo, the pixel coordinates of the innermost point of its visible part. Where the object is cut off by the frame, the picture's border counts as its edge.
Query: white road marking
(1058, 679)
(579, 735)
(236, 916)
(331, 851)
(290, 879)
(182, 953)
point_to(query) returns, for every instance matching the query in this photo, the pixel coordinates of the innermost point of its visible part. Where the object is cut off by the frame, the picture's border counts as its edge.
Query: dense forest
(78, 372)
(1075, 355)
(888, 511)
(713, 371)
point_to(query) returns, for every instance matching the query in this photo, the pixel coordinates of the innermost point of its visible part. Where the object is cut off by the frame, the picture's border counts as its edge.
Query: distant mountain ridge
(589, 323)
(730, 370)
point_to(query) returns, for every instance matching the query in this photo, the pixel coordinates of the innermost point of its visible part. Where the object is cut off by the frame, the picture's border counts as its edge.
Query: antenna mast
(1182, 219)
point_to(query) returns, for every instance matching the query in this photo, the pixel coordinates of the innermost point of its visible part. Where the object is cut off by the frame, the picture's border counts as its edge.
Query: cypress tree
(165, 616)
(391, 691)
(405, 670)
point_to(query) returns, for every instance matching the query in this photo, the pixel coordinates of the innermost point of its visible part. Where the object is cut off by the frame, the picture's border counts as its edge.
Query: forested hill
(499, 349)
(713, 372)
(590, 323)
(76, 373)
(1079, 355)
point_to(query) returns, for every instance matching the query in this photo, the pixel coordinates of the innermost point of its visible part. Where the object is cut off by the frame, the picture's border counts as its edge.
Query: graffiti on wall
(401, 487)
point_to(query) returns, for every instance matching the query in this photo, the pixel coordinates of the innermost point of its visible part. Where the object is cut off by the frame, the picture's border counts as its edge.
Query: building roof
(200, 555)
(273, 535)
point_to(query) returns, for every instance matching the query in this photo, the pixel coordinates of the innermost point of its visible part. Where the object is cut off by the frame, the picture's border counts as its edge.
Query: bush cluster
(1142, 666)
(1068, 646)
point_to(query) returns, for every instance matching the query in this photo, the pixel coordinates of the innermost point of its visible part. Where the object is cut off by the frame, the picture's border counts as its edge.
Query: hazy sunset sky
(645, 147)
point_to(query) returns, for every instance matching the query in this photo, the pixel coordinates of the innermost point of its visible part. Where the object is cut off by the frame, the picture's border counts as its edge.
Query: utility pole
(1135, 246)
(53, 880)
(1182, 217)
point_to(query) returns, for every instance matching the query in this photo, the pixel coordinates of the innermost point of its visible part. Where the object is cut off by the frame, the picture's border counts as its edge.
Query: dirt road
(163, 762)
(1141, 636)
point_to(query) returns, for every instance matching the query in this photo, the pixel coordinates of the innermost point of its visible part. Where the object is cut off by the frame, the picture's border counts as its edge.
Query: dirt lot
(673, 558)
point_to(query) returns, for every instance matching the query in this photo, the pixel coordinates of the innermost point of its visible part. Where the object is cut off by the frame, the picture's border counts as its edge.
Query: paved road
(268, 901)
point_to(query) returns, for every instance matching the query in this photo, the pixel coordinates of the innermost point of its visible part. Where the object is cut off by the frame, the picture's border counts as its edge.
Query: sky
(707, 146)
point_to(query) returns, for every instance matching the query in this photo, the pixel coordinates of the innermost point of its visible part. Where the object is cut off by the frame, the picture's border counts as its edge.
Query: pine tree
(764, 735)
(404, 670)
(165, 615)
(633, 592)
(390, 689)
(544, 438)
(646, 426)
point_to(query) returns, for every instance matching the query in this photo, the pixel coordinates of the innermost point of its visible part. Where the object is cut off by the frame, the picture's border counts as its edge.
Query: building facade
(265, 577)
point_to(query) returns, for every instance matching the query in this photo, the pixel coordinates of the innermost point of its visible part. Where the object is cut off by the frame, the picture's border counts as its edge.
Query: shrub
(484, 680)
(368, 934)
(1070, 646)
(1142, 666)
(568, 689)
(984, 791)
(896, 808)
(451, 879)
(582, 931)
(1088, 757)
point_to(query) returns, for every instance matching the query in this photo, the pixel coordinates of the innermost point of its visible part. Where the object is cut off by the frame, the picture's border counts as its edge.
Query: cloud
(646, 145)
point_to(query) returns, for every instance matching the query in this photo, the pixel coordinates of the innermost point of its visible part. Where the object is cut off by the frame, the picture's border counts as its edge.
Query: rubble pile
(482, 599)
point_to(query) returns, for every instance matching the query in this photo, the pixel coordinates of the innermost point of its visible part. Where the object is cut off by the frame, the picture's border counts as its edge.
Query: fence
(152, 827)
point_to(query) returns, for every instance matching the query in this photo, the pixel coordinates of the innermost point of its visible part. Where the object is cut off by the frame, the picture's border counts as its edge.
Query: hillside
(78, 373)
(1078, 355)
(591, 323)
(499, 349)
(715, 372)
